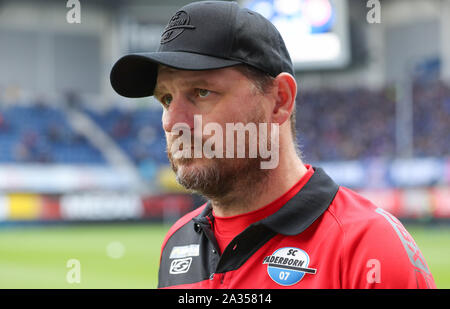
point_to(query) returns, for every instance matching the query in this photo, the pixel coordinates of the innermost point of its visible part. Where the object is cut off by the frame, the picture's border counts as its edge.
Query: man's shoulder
(373, 235)
(349, 207)
(358, 218)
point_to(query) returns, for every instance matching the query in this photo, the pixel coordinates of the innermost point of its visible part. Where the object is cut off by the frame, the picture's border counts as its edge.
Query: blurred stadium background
(84, 174)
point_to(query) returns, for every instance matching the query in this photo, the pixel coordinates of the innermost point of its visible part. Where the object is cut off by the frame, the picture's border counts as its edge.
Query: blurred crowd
(431, 121)
(38, 133)
(346, 124)
(352, 124)
(360, 123)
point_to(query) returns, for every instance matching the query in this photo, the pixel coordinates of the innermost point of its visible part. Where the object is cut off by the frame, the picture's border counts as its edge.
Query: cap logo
(177, 24)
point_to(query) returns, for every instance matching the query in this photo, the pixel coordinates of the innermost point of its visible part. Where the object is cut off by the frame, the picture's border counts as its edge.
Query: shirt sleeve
(382, 254)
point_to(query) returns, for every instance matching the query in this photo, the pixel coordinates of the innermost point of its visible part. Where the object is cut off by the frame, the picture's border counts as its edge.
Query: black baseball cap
(205, 35)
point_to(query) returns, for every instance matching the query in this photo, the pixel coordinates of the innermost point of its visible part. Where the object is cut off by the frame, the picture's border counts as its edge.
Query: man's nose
(179, 111)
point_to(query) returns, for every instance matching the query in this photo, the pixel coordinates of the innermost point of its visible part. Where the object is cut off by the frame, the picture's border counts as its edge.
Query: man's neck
(245, 199)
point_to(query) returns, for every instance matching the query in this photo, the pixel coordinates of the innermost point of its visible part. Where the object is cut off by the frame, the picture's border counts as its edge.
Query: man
(287, 226)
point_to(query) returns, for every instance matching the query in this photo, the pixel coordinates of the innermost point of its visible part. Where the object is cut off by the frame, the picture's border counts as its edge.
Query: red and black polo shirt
(321, 236)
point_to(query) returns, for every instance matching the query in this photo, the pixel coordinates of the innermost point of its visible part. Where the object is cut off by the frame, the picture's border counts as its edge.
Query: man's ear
(286, 91)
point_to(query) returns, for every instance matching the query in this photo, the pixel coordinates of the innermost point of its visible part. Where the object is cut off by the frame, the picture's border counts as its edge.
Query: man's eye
(166, 99)
(203, 93)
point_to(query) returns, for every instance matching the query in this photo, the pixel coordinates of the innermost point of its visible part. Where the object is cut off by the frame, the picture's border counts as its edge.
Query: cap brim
(134, 76)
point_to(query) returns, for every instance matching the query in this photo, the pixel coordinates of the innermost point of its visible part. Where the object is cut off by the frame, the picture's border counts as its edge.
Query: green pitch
(127, 256)
(109, 256)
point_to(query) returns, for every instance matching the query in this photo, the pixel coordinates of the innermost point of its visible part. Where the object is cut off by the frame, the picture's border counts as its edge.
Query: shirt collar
(300, 211)
(305, 207)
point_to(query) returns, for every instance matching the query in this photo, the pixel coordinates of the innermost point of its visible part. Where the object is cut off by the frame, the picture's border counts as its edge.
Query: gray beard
(226, 181)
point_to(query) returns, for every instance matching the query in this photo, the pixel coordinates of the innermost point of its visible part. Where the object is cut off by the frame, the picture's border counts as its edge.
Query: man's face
(219, 96)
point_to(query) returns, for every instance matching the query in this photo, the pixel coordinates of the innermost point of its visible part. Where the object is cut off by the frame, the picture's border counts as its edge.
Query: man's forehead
(162, 69)
(187, 77)
(182, 78)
